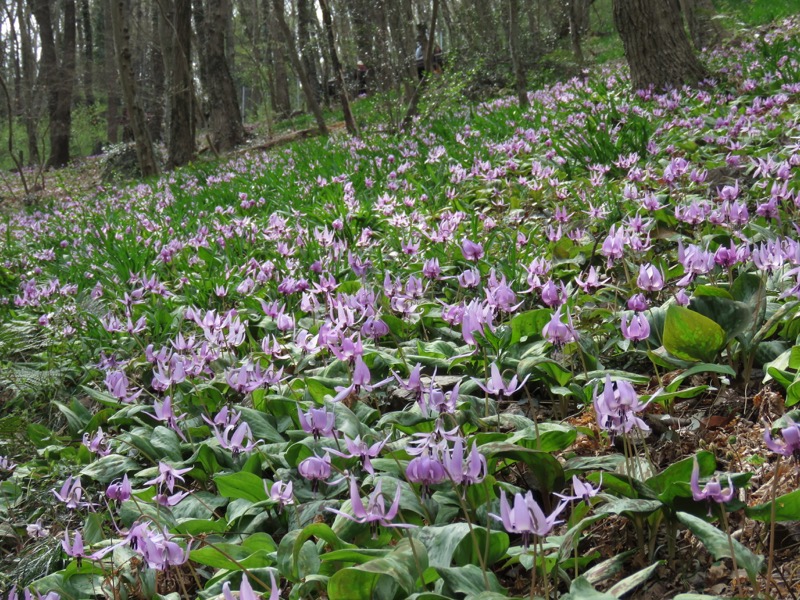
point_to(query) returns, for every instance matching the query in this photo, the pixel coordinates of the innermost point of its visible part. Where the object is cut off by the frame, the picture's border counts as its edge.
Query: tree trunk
(298, 67)
(144, 146)
(154, 88)
(58, 77)
(305, 26)
(30, 111)
(225, 116)
(110, 77)
(520, 82)
(656, 47)
(176, 38)
(349, 121)
(578, 21)
(705, 31)
(413, 105)
(279, 90)
(88, 53)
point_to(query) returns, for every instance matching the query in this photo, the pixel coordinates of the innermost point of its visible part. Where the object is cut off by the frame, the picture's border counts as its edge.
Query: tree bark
(144, 145)
(58, 77)
(298, 67)
(349, 120)
(110, 77)
(520, 82)
(705, 31)
(225, 116)
(29, 76)
(305, 26)
(176, 39)
(656, 47)
(413, 105)
(88, 53)
(279, 90)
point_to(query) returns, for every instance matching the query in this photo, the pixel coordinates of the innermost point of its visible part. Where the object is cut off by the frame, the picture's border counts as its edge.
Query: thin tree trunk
(110, 77)
(305, 18)
(29, 76)
(58, 77)
(349, 121)
(279, 88)
(88, 53)
(144, 146)
(520, 82)
(573, 8)
(413, 105)
(298, 67)
(227, 130)
(176, 37)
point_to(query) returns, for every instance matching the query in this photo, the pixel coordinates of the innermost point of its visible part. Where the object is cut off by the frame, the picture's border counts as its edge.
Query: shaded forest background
(189, 76)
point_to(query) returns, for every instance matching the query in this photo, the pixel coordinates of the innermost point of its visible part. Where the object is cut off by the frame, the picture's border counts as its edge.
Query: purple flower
(592, 281)
(637, 303)
(236, 440)
(471, 250)
(162, 411)
(157, 548)
(638, 329)
(469, 473)
(582, 490)
(526, 517)
(119, 491)
(282, 493)
(558, 333)
(37, 530)
(617, 407)
(246, 590)
(375, 512)
(168, 475)
(791, 440)
(357, 448)
(315, 469)
(712, 492)
(117, 385)
(75, 549)
(7, 465)
(650, 279)
(318, 422)
(435, 399)
(431, 269)
(71, 494)
(425, 470)
(495, 386)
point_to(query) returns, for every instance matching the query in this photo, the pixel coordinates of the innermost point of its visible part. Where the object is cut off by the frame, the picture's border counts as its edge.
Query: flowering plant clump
(419, 365)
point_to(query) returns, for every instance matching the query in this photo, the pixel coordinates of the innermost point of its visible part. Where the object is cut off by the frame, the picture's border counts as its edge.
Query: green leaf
(167, 442)
(581, 589)
(446, 542)
(787, 508)
(468, 580)
(630, 505)
(552, 437)
(747, 288)
(608, 568)
(718, 544)
(688, 335)
(380, 577)
(701, 368)
(624, 586)
(241, 485)
(529, 324)
(793, 393)
(252, 553)
(712, 290)
(734, 317)
(110, 467)
(546, 471)
(681, 471)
